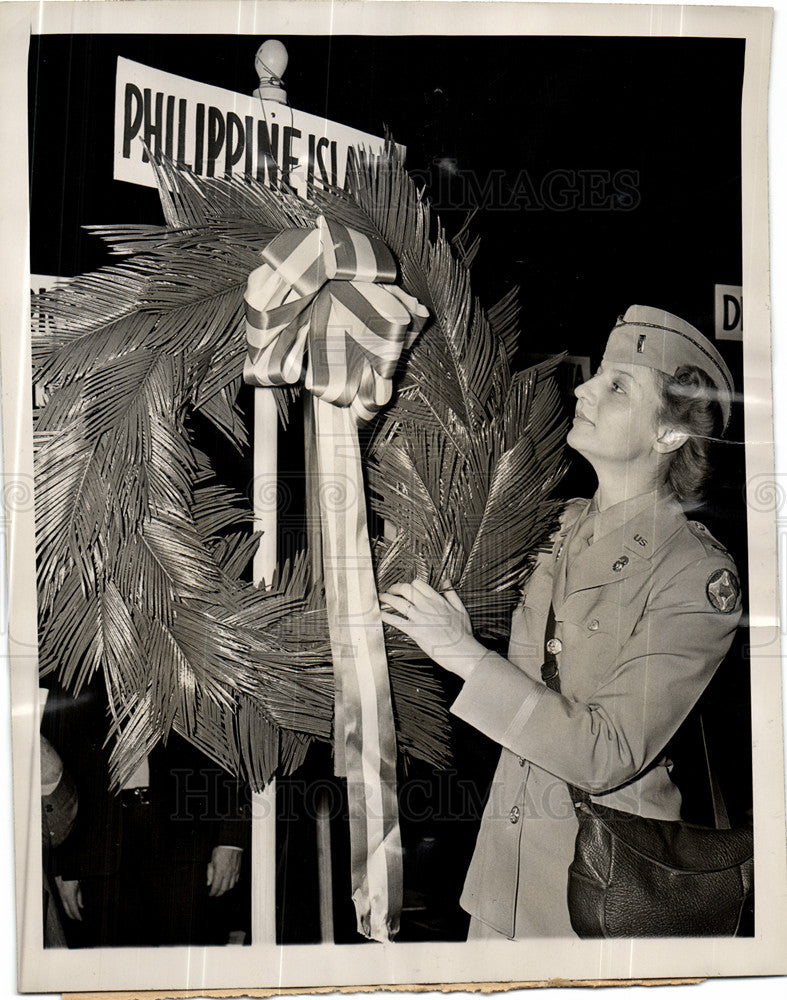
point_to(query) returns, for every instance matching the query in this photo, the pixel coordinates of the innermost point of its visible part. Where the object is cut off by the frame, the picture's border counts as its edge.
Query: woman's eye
(617, 387)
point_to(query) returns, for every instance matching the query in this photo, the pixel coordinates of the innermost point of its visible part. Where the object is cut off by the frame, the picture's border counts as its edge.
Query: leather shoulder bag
(637, 877)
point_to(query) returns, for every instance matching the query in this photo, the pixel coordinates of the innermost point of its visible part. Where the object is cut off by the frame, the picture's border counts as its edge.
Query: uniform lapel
(624, 551)
(560, 555)
(606, 561)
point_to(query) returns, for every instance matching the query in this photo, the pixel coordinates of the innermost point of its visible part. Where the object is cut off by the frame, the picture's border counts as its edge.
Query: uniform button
(522, 761)
(593, 626)
(554, 646)
(514, 815)
(618, 565)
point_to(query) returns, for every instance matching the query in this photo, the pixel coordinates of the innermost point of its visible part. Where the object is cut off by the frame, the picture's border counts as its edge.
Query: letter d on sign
(729, 312)
(132, 120)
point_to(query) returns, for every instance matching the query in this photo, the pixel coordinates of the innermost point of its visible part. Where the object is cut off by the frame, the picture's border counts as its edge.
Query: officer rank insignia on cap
(723, 590)
(647, 336)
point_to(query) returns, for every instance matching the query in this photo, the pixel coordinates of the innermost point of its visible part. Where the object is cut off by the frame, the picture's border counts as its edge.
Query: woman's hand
(438, 623)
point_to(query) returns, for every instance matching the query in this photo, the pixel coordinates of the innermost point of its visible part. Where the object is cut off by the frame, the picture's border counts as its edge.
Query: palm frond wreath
(142, 551)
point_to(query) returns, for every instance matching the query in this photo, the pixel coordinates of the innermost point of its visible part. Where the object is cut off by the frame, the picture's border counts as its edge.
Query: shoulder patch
(723, 590)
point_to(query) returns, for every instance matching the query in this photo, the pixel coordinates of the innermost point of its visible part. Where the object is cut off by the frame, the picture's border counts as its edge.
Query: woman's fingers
(400, 604)
(401, 623)
(403, 597)
(405, 590)
(424, 589)
(417, 593)
(453, 599)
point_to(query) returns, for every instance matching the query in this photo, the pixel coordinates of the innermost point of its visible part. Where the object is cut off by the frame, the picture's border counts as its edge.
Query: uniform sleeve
(235, 829)
(659, 675)
(76, 728)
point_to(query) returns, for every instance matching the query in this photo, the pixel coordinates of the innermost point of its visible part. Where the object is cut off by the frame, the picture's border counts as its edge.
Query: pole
(324, 871)
(270, 63)
(263, 823)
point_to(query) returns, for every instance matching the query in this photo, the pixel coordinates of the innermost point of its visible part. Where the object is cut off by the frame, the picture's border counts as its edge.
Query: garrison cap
(657, 339)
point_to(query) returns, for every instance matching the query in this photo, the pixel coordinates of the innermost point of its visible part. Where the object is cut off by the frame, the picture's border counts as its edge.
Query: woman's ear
(669, 439)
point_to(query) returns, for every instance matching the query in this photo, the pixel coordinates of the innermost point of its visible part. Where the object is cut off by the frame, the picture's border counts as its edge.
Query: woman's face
(616, 419)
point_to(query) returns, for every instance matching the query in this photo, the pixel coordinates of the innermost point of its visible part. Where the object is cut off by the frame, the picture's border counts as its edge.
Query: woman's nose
(586, 389)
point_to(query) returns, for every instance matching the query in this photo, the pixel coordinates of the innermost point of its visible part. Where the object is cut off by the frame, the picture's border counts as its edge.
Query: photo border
(412, 963)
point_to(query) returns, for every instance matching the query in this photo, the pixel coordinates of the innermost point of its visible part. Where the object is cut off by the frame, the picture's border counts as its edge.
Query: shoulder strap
(549, 669)
(550, 675)
(721, 818)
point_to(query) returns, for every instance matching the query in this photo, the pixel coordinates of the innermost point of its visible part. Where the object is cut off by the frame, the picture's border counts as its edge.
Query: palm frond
(177, 547)
(503, 318)
(258, 743)
(91, 302)
(464, 243)
(135, 735)
(220, 407)
(234, 552)
(418, 703)
(141, 550)
(216, 507)
(174, 464)
(192, 201)
(69, 636)
(71, 506)
(143, 580)
(61, 357)
(161, 240)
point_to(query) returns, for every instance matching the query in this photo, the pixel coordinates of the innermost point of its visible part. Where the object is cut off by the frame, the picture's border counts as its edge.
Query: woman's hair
(689, 404)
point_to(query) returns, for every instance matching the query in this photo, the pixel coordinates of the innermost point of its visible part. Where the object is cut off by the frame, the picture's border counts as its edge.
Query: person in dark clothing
(163, 861)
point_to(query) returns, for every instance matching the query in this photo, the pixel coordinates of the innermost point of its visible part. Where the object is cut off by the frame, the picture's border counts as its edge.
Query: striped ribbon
(323, 308)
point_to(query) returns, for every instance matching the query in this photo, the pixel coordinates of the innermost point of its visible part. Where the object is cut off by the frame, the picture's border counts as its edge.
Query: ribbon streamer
(323, 308)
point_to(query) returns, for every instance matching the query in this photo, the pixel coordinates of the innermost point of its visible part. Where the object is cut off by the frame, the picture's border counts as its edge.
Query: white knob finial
(270, 64)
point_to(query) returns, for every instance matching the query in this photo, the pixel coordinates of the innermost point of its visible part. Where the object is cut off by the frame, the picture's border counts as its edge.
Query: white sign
(43, 283)
(219, 133)
(729, 312)
(40, 324)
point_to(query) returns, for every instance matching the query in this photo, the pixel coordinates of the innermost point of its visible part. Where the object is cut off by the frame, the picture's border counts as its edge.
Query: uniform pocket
(592, 618)
(592, 634)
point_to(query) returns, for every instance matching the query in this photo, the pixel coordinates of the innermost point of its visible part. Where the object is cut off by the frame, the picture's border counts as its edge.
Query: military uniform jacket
(644, 616)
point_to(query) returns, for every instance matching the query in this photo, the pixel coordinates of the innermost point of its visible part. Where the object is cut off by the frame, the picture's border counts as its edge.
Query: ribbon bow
(325, 297)
(323, 308)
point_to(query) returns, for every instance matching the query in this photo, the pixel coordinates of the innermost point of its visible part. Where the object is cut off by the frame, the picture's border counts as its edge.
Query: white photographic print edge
(177, 968)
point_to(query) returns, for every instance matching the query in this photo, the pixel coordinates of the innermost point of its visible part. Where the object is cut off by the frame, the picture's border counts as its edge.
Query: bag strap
(721, 818)
(550, 674)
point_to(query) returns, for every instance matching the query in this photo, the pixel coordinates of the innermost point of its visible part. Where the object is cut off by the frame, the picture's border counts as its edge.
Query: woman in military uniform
(646, 603)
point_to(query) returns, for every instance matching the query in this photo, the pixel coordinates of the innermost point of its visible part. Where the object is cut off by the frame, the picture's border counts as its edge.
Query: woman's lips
(582, 417)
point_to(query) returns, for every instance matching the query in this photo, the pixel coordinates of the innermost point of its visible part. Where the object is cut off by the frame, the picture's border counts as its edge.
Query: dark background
(606, 171)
